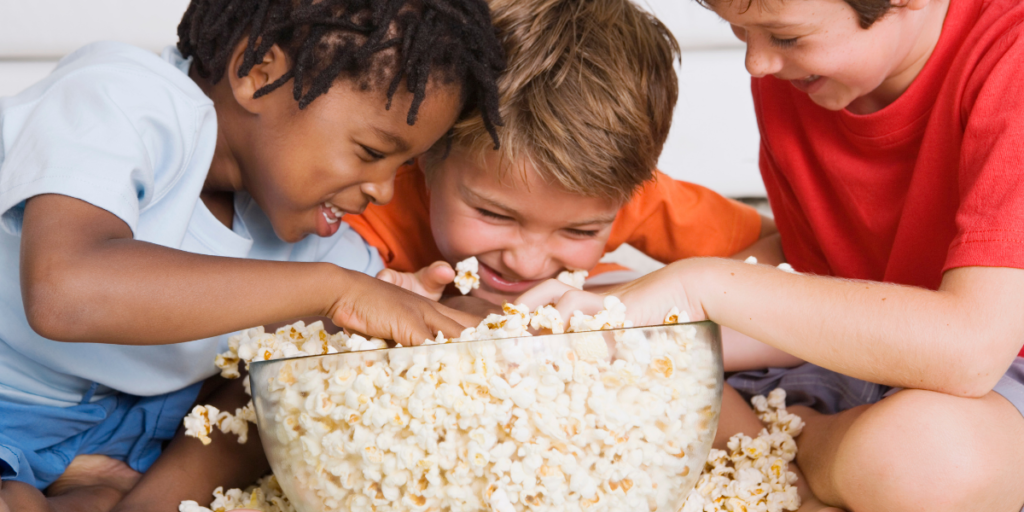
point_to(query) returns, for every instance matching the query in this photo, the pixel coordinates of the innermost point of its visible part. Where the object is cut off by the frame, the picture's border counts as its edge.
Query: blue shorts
(37, 442)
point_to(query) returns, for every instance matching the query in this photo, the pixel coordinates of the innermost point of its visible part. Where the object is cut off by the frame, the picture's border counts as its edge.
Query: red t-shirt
(932, 182)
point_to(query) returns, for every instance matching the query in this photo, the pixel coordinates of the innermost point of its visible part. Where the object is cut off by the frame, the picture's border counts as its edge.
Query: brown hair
(868, 11)
(587, 96)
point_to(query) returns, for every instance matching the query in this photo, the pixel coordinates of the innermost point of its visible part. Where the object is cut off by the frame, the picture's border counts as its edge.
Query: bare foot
(95, 470)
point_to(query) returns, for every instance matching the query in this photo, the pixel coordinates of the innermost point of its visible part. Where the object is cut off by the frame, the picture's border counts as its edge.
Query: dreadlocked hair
(373, 42)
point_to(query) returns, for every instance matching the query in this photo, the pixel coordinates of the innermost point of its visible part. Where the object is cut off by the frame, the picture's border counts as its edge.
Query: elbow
(46, 302)
(977, 378)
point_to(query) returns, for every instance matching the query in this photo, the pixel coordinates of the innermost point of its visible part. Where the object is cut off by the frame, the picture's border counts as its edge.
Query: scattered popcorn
(265, 496)
(786, 267)
(199, 423)
(582, 422)
(751, 260)
(466, 276)
(574, 278)
(753, 475)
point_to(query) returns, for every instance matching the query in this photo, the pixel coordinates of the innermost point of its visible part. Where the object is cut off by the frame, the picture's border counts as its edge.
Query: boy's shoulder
(119, 74)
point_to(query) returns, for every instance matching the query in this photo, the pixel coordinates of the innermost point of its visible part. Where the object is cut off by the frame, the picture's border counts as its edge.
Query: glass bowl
(610, 420)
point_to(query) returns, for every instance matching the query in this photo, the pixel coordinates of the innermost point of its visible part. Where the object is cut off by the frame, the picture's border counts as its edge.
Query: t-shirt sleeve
(108, 136)
(670, 220)
(990, 218)
(347, 249)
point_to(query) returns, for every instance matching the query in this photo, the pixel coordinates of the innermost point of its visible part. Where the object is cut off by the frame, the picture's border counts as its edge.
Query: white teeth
(329, 219)
(338, 212)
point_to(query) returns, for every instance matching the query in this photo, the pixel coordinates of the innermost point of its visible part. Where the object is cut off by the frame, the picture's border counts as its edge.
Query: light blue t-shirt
(127, 131)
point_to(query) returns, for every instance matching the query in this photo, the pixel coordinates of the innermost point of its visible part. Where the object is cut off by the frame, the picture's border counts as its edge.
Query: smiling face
(308, 167)
(521, 229)
(820, 47)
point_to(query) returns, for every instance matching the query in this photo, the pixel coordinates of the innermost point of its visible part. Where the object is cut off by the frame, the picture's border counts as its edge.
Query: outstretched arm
(85, 279)
(957, 340)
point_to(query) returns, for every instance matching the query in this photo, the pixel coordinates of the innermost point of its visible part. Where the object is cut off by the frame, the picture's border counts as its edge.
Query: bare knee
(913, 451)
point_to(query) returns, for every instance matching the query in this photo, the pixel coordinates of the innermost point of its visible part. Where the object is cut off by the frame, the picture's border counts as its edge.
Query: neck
(225, 173)
(928, 29)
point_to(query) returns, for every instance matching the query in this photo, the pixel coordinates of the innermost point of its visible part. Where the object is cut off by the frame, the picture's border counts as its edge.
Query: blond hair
(587, 96)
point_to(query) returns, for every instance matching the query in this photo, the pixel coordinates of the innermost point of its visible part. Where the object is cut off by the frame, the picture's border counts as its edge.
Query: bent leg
(917, 450)
(188, 470)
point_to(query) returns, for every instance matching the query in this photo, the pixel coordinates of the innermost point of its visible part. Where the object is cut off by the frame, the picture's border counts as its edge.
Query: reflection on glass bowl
(611, 420)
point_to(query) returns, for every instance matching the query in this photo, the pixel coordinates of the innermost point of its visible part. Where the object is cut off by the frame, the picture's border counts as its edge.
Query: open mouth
(495, 281)
(809, 84)
(328, 217)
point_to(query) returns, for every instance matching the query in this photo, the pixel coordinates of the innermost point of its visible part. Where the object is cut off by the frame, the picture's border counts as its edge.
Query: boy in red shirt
(892, 136)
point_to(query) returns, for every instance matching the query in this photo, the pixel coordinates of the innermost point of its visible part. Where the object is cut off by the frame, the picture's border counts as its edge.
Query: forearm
(741, 352)
(124, 291)
(954, 340)
(768, 247)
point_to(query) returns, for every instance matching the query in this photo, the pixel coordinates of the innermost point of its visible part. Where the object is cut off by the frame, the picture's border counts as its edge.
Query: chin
(290, 236)
(831, 102)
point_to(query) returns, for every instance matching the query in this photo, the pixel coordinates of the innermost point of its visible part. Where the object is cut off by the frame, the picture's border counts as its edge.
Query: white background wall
(713, 140)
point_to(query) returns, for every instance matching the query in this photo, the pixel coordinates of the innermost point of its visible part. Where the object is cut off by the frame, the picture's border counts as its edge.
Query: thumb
(388, 276)
(436, 277)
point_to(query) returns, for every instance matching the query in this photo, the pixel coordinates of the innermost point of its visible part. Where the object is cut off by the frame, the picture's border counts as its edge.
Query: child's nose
(761, 59)
(527, 260)
(380, 192)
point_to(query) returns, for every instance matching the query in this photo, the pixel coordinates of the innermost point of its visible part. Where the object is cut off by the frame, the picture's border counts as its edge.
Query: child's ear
(273, 66)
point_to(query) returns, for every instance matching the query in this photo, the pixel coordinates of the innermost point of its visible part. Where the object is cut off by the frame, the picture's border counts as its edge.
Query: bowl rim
(400, 347)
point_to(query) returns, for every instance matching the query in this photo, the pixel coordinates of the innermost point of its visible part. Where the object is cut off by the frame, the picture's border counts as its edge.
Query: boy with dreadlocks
(151, 204)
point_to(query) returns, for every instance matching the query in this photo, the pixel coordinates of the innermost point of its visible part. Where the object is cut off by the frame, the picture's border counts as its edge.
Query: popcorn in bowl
(613, 420)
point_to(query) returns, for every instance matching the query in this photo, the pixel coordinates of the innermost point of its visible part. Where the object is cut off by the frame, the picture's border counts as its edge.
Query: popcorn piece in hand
(198, 422)
(751, 260)
(466, 276)
(574, 278)
(786, 267)
(439, 340)
(675, 316)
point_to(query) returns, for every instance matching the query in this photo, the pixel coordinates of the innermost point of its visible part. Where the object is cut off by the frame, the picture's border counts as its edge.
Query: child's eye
(492, 215)
(582, 233)
(783, 43)
(374, 155)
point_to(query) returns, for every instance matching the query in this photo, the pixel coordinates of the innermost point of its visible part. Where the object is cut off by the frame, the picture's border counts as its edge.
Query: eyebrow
(469, 192)
(400, 144)
(775, 25)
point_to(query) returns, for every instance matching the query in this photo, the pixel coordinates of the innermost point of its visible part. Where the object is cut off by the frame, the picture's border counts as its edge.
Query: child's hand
(429, 282)
(375, 308)
(647, 299)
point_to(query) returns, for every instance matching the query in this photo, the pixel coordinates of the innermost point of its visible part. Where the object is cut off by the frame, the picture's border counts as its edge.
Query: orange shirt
(667, 219)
